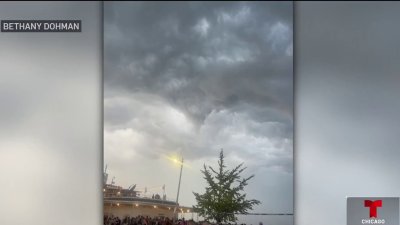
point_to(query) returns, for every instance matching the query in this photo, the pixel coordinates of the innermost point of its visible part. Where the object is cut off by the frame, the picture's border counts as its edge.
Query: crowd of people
(142, 220)
(145, 220)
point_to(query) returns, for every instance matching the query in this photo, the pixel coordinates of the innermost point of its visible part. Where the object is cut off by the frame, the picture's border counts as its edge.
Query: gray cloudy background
(191, 78)
(50, 116)
(347, 106)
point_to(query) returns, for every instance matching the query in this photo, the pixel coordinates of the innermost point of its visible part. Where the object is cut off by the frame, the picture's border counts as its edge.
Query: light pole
(179, 187)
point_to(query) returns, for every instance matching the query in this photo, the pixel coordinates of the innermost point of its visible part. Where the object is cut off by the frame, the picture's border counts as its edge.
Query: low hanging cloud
(145, 124)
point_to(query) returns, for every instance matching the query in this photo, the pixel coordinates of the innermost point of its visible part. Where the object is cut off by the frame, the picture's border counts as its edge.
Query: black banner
(41, 26)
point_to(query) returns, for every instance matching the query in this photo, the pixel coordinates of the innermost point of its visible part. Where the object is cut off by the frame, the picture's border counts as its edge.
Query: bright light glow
(136, 205)
(188, 210)
(177, 161)
(155, 206)
(117, 204)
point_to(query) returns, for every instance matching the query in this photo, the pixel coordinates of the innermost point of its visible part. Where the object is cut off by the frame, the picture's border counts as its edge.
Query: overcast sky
(187, 79)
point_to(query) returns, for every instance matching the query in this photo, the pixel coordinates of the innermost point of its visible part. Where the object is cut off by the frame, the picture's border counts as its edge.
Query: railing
(138, 199)
(114, 194)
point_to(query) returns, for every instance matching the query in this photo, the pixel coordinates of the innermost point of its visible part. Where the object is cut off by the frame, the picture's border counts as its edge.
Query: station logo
(362, 211)
(373, 205)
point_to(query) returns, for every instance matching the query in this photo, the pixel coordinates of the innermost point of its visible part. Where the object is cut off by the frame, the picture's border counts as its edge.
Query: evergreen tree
(223, 197)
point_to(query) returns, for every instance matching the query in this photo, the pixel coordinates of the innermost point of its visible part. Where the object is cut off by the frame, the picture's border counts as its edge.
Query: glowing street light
(179, 184)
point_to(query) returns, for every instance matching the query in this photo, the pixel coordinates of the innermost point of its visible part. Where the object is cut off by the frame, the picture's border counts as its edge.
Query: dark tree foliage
(224, 197)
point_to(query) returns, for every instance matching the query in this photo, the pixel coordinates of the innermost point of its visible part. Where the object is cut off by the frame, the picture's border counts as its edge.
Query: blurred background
(50, 118)
(346, 106)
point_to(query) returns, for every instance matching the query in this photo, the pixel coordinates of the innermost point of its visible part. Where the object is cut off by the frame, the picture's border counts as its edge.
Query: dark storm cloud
(201, 59)
(207, 61)
(190, 78)
(203, 56)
